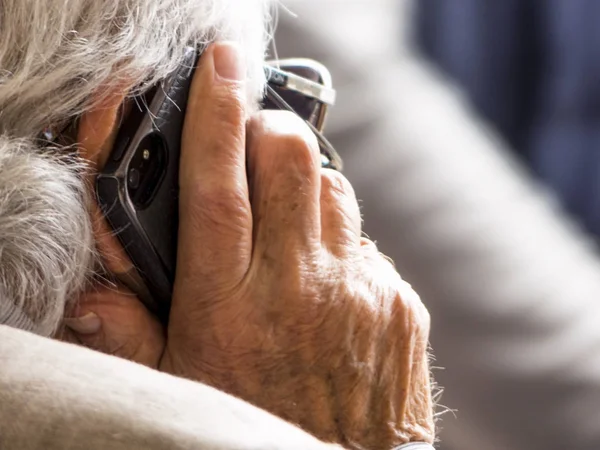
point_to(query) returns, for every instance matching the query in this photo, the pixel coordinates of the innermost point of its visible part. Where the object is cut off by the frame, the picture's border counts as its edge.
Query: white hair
(54, 56)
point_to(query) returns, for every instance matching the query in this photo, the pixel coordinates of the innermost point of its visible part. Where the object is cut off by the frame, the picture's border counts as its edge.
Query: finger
(215, 234)
(115, 322)
(341, 222)
(284, 162)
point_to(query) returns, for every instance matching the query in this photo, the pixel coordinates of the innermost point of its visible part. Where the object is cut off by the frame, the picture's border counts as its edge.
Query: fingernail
(229, 63)
(88, 324)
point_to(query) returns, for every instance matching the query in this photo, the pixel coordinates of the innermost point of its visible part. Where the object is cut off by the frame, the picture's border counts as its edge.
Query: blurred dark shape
(532, 68)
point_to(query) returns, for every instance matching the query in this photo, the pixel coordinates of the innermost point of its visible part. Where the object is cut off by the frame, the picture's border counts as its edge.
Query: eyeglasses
(304, 87)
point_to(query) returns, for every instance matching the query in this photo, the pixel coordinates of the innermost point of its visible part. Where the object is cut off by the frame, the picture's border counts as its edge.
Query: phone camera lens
(146, 170)
(134, 179)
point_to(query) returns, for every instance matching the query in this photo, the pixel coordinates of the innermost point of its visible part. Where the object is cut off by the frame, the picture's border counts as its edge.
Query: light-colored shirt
(56, 396)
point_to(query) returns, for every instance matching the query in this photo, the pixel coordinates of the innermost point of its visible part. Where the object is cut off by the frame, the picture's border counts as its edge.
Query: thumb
(114, 321)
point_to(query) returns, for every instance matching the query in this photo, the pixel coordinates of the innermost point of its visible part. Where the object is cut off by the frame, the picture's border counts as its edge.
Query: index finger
(215, 234)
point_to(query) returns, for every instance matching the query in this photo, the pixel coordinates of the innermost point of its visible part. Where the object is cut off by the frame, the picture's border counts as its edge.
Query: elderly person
(278, 299)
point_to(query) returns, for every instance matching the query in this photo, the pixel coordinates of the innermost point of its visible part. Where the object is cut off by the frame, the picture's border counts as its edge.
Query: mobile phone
(137, 189)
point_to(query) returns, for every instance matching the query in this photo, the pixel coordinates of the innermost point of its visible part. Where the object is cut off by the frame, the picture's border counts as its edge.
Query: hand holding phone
(277, 296)
(139, 186)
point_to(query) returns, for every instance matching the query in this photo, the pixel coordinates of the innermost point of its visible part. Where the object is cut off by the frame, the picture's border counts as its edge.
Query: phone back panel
(149, 233)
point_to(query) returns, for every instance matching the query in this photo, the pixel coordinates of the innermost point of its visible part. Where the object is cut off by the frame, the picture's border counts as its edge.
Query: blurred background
(469, 130)
(532, 69)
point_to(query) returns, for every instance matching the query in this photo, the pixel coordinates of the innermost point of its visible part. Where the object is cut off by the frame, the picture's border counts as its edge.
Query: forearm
(58, 396)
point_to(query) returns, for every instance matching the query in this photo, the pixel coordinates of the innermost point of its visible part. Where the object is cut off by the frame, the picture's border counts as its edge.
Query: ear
(96, 135)
(98, 127)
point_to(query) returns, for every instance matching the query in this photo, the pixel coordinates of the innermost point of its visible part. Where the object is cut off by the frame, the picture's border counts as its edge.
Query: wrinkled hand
(278, 300)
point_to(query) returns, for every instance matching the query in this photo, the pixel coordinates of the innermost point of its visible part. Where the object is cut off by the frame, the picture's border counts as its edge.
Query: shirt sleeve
(56, 396)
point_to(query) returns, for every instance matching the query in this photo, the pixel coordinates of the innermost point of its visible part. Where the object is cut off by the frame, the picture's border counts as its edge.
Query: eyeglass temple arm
(335, 161)
(293, 82)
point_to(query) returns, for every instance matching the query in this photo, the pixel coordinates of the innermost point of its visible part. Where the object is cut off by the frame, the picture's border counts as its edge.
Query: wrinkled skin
(278, 300)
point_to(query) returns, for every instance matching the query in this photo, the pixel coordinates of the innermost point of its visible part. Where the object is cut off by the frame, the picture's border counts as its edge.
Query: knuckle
(407, 311)
(287, 140)
(299, 154)
(258, 122)
(407, 303)
(335, 184)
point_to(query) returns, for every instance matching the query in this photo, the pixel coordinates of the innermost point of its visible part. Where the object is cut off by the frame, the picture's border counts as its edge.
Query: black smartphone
(138, 188)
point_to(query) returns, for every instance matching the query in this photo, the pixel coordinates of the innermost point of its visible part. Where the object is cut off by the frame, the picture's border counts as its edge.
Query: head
(59, 59)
